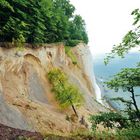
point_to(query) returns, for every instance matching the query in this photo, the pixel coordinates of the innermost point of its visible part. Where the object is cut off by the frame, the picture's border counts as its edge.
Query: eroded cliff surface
(26, 98)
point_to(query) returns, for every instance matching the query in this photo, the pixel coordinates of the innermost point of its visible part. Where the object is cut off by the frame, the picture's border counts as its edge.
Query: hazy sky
(107, 21)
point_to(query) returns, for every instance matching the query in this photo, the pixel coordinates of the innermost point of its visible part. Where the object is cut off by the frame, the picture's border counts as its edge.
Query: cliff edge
(26, 99)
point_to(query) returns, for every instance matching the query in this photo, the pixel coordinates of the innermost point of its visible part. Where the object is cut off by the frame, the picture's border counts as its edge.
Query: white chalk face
(107, 21)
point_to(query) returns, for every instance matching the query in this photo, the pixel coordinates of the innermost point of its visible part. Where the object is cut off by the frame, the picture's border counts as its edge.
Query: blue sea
(104, 73)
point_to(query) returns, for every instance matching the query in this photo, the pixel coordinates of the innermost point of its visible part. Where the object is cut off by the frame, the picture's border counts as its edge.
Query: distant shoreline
(106, 102)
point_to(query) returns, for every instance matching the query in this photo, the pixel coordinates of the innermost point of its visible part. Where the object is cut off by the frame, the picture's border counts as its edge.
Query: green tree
(62, 13)
(66, 93)
(5, 12)
(77, 31)
(129, 41)
(109, 120)
(127, 80)
(14, 24)
(43, 21)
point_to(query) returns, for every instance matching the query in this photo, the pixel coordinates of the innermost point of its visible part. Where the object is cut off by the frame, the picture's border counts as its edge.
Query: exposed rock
(36, 90)
(26, 98)
(11, 116)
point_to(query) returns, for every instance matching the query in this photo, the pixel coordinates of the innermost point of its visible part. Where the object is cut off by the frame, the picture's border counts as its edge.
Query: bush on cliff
(70, 54)
(66, 93)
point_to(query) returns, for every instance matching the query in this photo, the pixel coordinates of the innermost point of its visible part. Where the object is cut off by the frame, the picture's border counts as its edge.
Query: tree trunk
(134, 101)
(74, 110)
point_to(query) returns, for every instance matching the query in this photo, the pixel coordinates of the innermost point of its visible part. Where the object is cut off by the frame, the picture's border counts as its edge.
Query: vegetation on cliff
(49, 21)
(44, 21)
(70, 54)
(66, 93)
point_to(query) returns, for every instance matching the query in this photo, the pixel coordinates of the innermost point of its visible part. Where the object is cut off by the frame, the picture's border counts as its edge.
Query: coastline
(101, 96)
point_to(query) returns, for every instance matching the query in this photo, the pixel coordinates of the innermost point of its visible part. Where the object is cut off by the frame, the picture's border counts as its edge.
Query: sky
(107, 21)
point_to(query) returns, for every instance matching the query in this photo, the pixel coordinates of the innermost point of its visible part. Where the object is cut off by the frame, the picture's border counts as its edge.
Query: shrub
(71, 54)
(72, 43)
(109, 120)
(128, 134)
(19, 42)
(66, 93)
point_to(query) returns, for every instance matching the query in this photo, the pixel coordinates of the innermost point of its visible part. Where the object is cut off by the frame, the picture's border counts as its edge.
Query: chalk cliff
(26, 98)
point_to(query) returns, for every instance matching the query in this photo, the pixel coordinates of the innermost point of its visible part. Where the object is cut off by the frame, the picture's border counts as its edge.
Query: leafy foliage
(123, 134)
(71, 54)
(123, 127)
(19, 43)
(128, 134)
(82, 134)
(127, 78)
(77, 31)
(72, 43)
(129, 41)
(43, 21)
(109, 120)
(67, 94)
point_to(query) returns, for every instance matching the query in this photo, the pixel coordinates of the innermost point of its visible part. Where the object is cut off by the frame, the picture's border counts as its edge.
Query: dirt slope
(26, 99)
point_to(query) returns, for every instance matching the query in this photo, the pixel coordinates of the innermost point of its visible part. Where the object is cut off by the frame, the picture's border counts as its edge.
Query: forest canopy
(41, 21)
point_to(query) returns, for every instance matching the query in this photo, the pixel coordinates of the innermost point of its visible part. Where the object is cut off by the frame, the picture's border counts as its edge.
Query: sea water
(104, 73)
